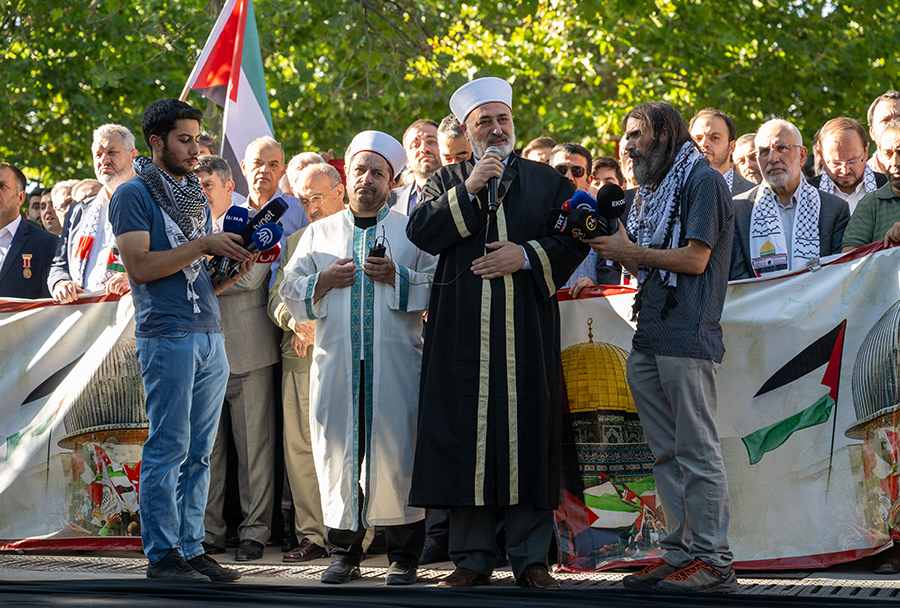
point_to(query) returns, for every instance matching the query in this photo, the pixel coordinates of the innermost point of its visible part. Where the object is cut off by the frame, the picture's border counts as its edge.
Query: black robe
(490, 400)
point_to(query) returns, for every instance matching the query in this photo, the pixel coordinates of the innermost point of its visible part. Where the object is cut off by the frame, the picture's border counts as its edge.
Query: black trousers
(404, 542)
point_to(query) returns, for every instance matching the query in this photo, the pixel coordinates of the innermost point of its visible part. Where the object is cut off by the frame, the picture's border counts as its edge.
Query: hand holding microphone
(236, 219)
(489, 166)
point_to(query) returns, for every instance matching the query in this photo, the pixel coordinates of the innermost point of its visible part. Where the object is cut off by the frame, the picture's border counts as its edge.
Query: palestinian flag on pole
(230, 73)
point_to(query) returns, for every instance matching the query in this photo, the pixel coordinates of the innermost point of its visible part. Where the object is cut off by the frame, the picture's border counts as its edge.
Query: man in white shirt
(86, 246)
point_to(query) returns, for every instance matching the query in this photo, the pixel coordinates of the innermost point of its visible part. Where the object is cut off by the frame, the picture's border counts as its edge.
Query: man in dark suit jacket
(26, 250)
(422, 159)
(714, 132)
(781, 154)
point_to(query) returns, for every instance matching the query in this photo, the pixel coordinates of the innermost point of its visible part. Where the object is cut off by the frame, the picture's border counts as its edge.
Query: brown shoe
(463, 577)
(537, 577)
(306, 551)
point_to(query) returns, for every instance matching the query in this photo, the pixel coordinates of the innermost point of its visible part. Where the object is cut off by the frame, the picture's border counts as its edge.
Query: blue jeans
(185, 375)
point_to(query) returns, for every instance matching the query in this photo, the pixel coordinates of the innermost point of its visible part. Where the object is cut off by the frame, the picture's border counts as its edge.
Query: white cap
(382, 144)
(479, 92)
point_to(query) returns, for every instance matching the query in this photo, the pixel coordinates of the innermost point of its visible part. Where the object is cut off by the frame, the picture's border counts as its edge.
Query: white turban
(382, 144)
(479, 92)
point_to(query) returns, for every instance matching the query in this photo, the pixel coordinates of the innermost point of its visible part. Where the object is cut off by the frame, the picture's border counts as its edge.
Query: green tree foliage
(336, 67)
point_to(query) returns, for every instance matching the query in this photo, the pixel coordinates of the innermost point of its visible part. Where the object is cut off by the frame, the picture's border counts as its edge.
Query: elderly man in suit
(25, 250)
(248, 414)
(784, 223)
(422, 159)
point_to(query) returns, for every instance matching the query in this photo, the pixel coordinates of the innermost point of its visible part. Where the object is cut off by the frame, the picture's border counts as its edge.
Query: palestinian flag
(230, 73)
(826, 350)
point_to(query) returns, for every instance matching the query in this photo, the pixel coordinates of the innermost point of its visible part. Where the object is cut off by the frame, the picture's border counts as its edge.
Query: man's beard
(842, 181)
(112, 180)
(172, 164)
(646, 164)
(366, 200)
(426, 167)
(782, 180)
(506, 146)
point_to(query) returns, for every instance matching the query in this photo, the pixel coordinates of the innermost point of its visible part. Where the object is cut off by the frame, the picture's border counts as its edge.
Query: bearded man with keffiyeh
(161, 220)
(843, 148)
(683, 223)
(784, 223)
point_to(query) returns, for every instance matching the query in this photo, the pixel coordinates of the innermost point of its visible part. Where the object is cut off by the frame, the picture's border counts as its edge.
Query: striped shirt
(692, 327)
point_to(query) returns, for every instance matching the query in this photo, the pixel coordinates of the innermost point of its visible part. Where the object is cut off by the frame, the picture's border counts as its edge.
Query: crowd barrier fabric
(808, 419)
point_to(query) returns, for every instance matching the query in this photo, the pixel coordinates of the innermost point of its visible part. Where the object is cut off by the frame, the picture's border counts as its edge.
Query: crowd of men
(439, 433)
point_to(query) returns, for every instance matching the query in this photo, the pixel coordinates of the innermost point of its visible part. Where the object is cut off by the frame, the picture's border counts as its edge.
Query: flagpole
(184, 93)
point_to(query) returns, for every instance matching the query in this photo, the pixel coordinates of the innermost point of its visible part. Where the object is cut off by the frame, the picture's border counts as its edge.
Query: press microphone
(492, 184)
(607, 208)
(557, 220)
(264, 238)
(271, 213)
(269, 255)
(235, 222)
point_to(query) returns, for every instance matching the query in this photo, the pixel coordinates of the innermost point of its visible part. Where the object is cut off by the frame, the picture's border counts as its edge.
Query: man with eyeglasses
(878, 214)
(744, 158)
(423, 158)
(843, 147)
(884, 109)
(251, 346)
(784, 223)
(714, 132)
(321, 193)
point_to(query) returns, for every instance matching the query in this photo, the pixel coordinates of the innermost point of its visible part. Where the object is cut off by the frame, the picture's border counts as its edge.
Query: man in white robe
(364, 379)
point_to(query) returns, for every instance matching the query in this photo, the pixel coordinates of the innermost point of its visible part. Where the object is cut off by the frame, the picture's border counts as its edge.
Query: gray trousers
(676, 401)
(298, 458)
(473, 542)
(249, 416)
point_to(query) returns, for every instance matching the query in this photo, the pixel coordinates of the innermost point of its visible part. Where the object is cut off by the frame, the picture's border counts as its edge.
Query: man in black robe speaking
(490, 400)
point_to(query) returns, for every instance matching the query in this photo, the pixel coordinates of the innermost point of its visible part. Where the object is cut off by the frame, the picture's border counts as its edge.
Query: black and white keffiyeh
(185, 211)
(90, 220)
(657, 220)
(768, 244)
(828, 186)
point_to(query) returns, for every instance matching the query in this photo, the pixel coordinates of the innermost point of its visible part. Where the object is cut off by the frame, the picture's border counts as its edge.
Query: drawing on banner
(876, 401)
(608, 499)
(106, 426)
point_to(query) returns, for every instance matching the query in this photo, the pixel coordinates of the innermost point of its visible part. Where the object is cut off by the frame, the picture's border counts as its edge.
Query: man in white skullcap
(364, 379)
(490, 402)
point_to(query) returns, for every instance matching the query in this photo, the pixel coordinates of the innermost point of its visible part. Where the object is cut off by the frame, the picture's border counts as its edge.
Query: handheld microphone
(264, 238)
(271, 213)
(269, 255)
(610, 206)
(492, 185)
(557, 220)
(235, 221)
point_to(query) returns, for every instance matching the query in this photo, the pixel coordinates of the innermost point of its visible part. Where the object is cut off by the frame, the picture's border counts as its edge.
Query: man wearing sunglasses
(784, 223)
(574, 162)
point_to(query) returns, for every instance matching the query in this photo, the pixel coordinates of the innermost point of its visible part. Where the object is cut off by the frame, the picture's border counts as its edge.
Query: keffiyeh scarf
(185, 211)
(827, 186)
(657, 223)
(768, 244)
(90, 220)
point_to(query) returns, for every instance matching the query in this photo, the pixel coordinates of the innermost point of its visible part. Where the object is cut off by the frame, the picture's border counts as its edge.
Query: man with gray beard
(784, 223)
(683, 221)
(490, 402)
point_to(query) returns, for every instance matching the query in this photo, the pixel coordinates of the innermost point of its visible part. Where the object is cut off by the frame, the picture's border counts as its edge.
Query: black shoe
(248, 550)
(232, 540)
(212, 549)
(204, 564)
(174, 567)
(290, 543)
(339, 573)
(433, 552)
(400, 574)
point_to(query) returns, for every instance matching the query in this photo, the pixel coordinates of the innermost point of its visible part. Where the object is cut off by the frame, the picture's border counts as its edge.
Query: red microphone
(270, 255)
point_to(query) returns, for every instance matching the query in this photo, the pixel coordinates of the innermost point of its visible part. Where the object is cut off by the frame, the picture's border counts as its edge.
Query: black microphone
(610, 206)
(235, 221)
(492, 185)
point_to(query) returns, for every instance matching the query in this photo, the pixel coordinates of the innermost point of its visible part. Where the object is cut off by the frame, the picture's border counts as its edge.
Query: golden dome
(595, 377)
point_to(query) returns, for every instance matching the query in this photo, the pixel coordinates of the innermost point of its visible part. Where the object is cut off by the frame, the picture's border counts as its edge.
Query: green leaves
(336, 67)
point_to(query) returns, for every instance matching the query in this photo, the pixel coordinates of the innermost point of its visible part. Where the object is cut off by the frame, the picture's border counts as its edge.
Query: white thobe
(382, 325)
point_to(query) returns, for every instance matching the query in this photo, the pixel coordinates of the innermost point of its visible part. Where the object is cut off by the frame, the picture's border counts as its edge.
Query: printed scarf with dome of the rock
(768, 244)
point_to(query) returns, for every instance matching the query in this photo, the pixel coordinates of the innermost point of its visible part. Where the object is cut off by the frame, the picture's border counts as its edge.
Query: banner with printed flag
(808, 416)
(808, 399)
(230, 73)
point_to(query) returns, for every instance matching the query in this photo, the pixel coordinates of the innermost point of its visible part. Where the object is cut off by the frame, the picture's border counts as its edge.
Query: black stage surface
(144, 593)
